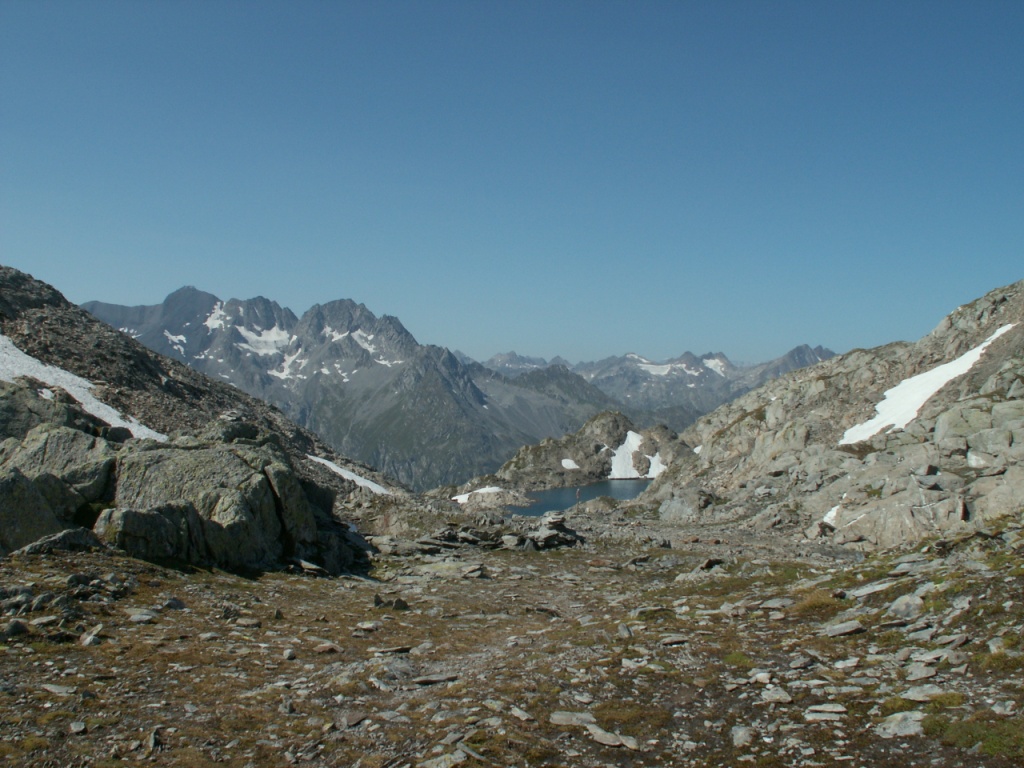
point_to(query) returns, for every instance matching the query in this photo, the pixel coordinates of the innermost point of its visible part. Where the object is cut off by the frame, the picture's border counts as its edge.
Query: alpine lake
(563, 498)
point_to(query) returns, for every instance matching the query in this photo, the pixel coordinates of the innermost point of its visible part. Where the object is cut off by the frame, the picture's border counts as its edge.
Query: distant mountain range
(674, 392)
(421, 413)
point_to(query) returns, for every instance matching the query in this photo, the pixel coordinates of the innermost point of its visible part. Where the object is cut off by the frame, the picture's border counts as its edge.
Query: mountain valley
(420, 413)
(826, 569)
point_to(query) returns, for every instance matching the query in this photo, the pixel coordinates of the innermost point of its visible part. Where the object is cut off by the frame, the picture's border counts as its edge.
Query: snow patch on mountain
(290, 368)
(15, 363)
(902, 403)
(657, 465)
(217, 317)
(655, 370)
(569, 464)
(264, 342)
(359, 480)
(334, 335)
(176, 342)
(667, 368)
(716, 365)
(363, 339)
(622, 458)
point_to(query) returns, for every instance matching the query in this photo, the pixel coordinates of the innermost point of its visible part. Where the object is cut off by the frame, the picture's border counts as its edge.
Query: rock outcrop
(808, 455)
(234, 502)
(235, 485)
(608, 446)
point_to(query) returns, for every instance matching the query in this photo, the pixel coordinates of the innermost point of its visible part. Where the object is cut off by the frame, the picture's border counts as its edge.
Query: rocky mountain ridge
(789, 456)
(420, 413)
(673, 392)
(363, 383)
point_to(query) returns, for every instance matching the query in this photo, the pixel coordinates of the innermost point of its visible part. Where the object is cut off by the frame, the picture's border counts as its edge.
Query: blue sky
(574, 178)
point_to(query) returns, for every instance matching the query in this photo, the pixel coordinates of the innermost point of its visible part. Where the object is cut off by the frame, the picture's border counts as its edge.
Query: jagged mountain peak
(514, 364)
(363, 382)
(259, 313)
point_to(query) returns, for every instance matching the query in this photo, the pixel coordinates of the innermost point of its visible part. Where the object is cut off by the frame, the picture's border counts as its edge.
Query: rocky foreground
(622, 651)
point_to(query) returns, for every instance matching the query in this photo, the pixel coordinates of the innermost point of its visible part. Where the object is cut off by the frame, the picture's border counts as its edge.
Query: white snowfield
(363, 339)
(622, 460)
(177, 342)
(462, 498)
(716, 365)
(664, 369)
(334, 335)
(657, 465)
(15, 363)
(380, 490)
(290, 368)
(569, 464)
(902, 403)
(217, 317)
(655, 370)
(264, 342)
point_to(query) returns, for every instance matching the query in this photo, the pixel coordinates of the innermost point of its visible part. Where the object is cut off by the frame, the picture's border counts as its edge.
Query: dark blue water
(563, 498)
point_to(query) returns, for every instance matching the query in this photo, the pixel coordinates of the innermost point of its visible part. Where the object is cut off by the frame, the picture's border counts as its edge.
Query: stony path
(615, 653)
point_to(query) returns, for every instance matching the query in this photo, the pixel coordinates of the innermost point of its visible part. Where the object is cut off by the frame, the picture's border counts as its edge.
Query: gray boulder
(22, 408)
(68, 540)
(82, 461)
(962, 420)
(67, 504)
(172, 531)
(247, 508)
(25, 515)
(233, 498)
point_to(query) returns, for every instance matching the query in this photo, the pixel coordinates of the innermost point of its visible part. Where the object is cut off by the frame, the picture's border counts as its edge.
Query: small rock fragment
(742, 735)
(572, 718)
(776, 696)
(901, 724)
(843, 629)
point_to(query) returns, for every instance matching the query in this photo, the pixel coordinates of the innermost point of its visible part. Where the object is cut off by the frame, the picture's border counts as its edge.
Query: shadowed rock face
(25, 514)
(774, 459)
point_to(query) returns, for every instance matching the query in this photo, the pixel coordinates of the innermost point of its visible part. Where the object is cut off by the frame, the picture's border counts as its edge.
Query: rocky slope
(363, 383)
(721, 647)
(607, 447)
(815, 453)
(158, 460)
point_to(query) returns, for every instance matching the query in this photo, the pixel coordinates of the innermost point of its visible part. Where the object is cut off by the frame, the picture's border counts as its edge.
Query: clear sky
(566, 178)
